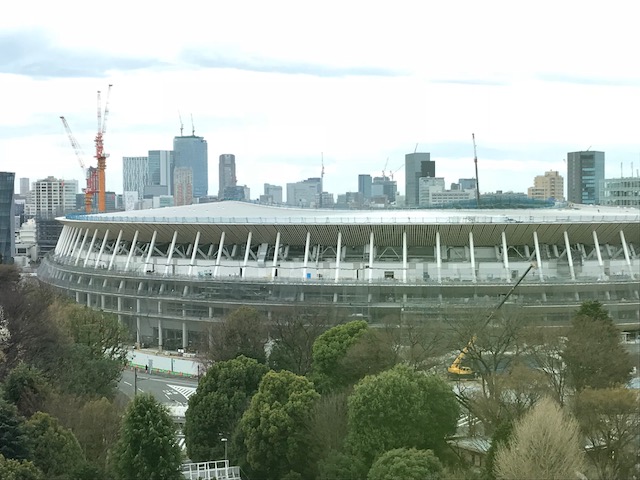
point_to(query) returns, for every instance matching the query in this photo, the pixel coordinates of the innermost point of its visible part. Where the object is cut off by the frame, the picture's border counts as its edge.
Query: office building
(272, 194)
(620, 192)
(24, 186)
(304, 193)
(547, 186)
(433, 194)
(183, 186)
(585, 170)
(160, 165)
(416, 166)
(191, 151)
(226, 173)
(364, 186)
(52, 197)
(384, 187)
(135, 174)
(7, 217)
(239, 193)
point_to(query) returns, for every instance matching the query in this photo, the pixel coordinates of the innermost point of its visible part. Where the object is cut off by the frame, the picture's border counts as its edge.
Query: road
(171, 391)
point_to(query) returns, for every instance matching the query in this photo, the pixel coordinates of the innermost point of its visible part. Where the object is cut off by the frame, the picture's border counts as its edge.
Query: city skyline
(354, 98)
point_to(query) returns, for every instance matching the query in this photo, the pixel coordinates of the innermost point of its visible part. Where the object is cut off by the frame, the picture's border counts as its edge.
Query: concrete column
(185, 333)
(77, 297)
(596, 245)
(138, 330)
(306, 256)
(219, 257)
(371, 255)
(93, 241)
(62, 240)
(404, 257)
(75, 242)
(102, 302)
(170, 256)
(84, 239)
(338, 256)
(275, 256)
(160, 334)
(505, 257)
(472, 254)
(567, 246)
(115, 250)
(119, 300)
(88, 299)
(131, 249)
(625, 247)
(538, 256)
(194, 252)
(246, 255)
(104, 244)
(438, 257)
(152, 245)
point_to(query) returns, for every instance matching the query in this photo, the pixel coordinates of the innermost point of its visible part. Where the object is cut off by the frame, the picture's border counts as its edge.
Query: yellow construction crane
(101, 156)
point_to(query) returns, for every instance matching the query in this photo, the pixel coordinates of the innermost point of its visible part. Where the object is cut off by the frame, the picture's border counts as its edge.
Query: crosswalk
(181, 442)
(186, 392)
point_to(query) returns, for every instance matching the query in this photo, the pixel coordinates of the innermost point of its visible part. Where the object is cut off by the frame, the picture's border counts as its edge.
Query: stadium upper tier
(185, 266)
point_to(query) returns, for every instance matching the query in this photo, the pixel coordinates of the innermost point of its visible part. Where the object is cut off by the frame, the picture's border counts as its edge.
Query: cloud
(32, 54)
(590, 80)
(470, 81)
(267, 65)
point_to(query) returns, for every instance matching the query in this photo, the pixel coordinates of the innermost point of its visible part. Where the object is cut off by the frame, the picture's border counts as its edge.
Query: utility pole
(135, 381)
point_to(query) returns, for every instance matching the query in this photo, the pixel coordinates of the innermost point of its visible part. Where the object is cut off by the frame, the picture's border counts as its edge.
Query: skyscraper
(135, 174)
(183, 186)
(416, 166)
(52, 196)
(584, 172)
(7, 221)
(272, 194)
(160, 169)
(364, 186)
(191, 151)
(226, 173)
(24, 186)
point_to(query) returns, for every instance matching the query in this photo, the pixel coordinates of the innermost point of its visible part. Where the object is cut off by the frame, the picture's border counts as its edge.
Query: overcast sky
(280, 83)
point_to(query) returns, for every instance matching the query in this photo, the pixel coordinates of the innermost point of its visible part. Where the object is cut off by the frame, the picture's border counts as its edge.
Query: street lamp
(224, 439)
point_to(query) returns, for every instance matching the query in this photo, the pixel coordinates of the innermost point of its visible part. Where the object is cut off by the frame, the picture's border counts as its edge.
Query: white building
(51, 197)
(433, 194)
(135, 174)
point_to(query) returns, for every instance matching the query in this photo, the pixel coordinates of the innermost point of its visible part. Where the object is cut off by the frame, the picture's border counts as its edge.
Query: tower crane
(385, 168)
(475, 161)
(392, 173)
(90, 174)
(101, 156)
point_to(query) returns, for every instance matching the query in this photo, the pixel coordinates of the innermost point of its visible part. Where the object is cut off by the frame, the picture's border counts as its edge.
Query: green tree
(407, 464)
(86, 373)
(13, 441)
(97, 426)
(341, 465)
(400, 408)
(18, 470)
(242, 332)
(328, 424)
(54, 449)
(329, 349)
(222, 396)
(610, 420)
(273, 426)
(545, 443)
(27, 389)
(371, 353)
(147, 448)
(594, 354)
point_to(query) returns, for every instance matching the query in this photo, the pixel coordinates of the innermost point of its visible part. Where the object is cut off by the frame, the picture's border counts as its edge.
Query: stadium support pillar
(131, 250)
(371, 256)
(274, 267)
(84, 240)
(77, 297)
(505, 257)
(185, 335)
(338, 256)
(438, 257)
(596, 245)
(246, 255)
(102, 301)
(472, 255)
(404, 256)
(567, 246)
(152, 245)
(115, 251)
(219, 257)
(62, 241)
(159, 334)
(306, 258)
(625, 247)
(104, 244)
(93, 242)
(539, 262)
(88, 299)
(138, 330)
(75, 243)
(194, 252)
(170, 253)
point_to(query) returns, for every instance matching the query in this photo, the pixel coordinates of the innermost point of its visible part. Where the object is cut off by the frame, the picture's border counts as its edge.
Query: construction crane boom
(101, 157)
(475, 161)
(89, 174)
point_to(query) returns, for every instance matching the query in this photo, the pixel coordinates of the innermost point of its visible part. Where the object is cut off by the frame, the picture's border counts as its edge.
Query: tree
(222, 396)
(328, 424)
(54, 449)
(147, 448)
(18, 470)
(341, 465)
(241, 332)
(406, 463)
(610, 420)
(27, 389)
(86, 373)
(371, 353)
(13, 441)
(593, 352)
(546, 443)
(97, 426)
(329, 349)
(273, 425)
(400, 408)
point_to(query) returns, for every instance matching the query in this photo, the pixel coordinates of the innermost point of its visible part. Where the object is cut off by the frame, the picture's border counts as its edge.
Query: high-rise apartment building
(620, 192)
(272, 194)
(135, 174)
(364, 186)
(305, 193)
(226, 173)
(191, 151)
(51, 197)
(547, 186)
(24, 186)
(585, 170)
(7, 217)
(417, 165)
(160, 167)
(183, 186)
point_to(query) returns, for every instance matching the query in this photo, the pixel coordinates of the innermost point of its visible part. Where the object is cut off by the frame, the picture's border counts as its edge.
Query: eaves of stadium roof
(236, 219)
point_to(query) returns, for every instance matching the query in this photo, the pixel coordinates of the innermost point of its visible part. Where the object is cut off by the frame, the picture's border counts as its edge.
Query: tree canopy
(13, 441)
(274, 425)
(407, 464)
(19, 470)
(400, 408)
(222, 396)
(241, 332)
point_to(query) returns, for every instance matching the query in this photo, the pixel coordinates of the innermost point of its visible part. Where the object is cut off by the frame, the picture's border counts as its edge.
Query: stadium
(168, 273)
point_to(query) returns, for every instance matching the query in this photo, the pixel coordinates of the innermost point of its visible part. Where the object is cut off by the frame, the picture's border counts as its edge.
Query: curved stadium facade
(168, 273)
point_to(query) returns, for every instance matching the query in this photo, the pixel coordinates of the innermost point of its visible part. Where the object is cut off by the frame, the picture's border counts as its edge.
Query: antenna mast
(475, 161)
(193, 129)
(321, 177)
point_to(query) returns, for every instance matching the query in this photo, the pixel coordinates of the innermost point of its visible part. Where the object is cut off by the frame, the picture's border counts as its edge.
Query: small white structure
(217, 470)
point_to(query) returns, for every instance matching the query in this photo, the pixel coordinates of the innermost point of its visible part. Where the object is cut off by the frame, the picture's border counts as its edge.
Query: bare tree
(546, 443)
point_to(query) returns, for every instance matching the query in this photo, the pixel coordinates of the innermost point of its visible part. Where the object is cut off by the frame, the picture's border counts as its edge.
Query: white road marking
(127, 383)
(186, 392)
